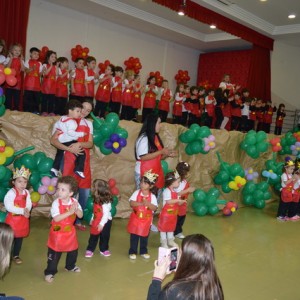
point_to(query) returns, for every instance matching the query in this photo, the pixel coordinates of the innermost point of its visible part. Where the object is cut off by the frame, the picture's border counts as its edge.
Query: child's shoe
(88, 254)
(146, 256)
(294, 218)
(105, 253)
(80, 174)
(153, 228)
(164, 244)
(132, 256)
(171, 243)
(281, 218)
(54, 172)
(180, 235)
(17, 260)
(49, 278)
(75, 269)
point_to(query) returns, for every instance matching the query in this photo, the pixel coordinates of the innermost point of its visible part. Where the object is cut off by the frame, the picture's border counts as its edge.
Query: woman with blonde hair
(6, 240)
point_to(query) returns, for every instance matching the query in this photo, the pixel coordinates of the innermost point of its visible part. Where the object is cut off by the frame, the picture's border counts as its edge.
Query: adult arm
(57, 144)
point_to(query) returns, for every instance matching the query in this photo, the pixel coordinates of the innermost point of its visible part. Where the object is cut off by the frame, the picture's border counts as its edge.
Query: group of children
(65, 209)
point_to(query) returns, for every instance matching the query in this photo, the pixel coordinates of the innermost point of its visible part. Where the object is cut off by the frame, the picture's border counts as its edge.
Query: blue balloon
(273, 176)
(116, 150)
(114, 137)
(265, 173)
(122, 142)
(1, 91)
(108, 144)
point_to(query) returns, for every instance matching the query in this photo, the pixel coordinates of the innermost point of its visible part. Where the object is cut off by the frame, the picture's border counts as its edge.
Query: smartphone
(173, 257)
(172, 253)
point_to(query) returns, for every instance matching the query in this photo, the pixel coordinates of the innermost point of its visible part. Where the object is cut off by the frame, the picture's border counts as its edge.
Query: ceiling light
(263, 0)
(213, 26)
(292, 16)
(182, 7)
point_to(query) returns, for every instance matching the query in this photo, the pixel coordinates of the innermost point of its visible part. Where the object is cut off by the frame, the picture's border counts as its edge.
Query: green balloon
(2, 216)
(244, 145)
(3, 192)
(39, 156)
(115, 201)
(213, 193)
(196, 146)
(199, 208)
(221, 178)
(277, 186)
(267, 195)
(87, 215)
(258, 195)
(252, 152)
(235, 169)
(195, 128)
(270, 164)
(261, 136)
(250, 139)
(190, 136)
(203, 132)
(213, 210)
(113, 211)
(34, 177)
(112, 119)
(9, 160)
(225, 166)
(263, 186)
(259, 204)
(199, 195)
(5, 184)
(2, 172)
(2, 110)
(18, 163)
(262, 146)
(97, 123)
(248, 199)
(106, 130)
(98, 136)
(2, 99)
(90, 204)
(45, 165)
(36, 186)
(225, 188)
(249, 188)
(123, 133)
(28, 161)
(104, 150)
(8, 175)
(188, 150)
(210, 201)
(164, 166)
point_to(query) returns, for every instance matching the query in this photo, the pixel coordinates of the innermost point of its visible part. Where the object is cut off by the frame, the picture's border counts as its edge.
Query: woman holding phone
(196, 276)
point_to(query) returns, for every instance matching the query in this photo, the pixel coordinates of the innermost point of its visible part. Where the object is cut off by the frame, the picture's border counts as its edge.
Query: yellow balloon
(2, 158)
(7, 71)
(35, 197)
(232, 185)
(2, 143)
(243, 181)
(233, 209)
(116, 145)
(238, 179)
(9, 151)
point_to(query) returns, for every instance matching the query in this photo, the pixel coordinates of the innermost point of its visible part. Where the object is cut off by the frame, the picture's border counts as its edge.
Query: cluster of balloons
(287, 141)
(103, 66)
(254, 143)
(194, 138)
(296, 149)
(273, 173)
(256, 194)
(205, 84)
(230, 177)
(133, 63)
(182, 77)
(8, 75)
(230, 208)
(48, 185)
(79, 51)
(165, 167)
(5, 177)
(206, 202)
(275, 144)
(5, 152)
(108, 136)
(158, 78)
(43, 53)
(251, 174)
(2, 101)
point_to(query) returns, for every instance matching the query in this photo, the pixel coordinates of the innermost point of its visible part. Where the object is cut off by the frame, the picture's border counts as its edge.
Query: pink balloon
(46, 180)
(42, 189)
(206, 148)
(54, 181)
(51, 190)
(211, 138)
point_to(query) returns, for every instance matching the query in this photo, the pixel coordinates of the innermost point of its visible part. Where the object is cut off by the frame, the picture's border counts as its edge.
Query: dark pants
(53, 260)
(192, 119)
(115, 107)
(17, 245)
(163, 115)
(126, 113)
(287, 209)
(244, 124)
(31, 101)
(79, 98)
(250, 124)
(48, 102)
(179, 224)
(267, 127)
(184, 118)
(235, 123)
(12, 99)
(60, 105)
(79, 161)
(177, 120)
(219, 117)
(146, 112)
(103, 238)
(208, 120)
(134, 241)
(100, 109)
(278, 130)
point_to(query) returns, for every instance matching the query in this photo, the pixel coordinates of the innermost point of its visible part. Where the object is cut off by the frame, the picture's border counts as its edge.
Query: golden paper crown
(289, 163)
(171, 175)
(152, 177)
(23, 172)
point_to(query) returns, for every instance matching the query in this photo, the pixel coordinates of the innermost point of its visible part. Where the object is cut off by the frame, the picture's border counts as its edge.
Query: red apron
(260, 115)
(182, 209)
(69, 159)
(62, 236)
(49, 81)
(210, 108)
(79, 83)
(279, 121)
(19, 223)
(287, 192)
(252, 115)
(296, 195)
(116, 93)
(168, 216)
(164, 103)
(227, 110)
(268, 115)
(150, 98)
(154, 165)
(32, 79)
(90, 84)
(141, 218)
(16, 65)
(127, 96)
(177, 108)
(62, 86)
(98, 214)
(103, 91)
(137, 99)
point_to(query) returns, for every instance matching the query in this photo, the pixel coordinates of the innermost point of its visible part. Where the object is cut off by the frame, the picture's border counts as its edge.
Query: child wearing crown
(18, 204)
(143, 203)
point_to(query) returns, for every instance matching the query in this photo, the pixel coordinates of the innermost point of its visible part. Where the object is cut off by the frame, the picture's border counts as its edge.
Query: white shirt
(141, 148)
(246, 110)
(153, 198)
(166, 196)
(181, 186)
(9, 202)
(3, 60)
(55, 206)
(284, 178)
(223, 85)
(106, 209)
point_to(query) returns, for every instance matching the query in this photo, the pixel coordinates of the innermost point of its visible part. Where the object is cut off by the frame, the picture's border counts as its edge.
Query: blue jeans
(83, 195)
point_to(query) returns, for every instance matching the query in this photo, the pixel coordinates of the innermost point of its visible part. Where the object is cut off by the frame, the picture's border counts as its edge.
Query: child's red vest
(62, 85)
(98, 214)
(79, 83)
(103, 91)
(164, 103)
(150, 98)
(90, 84)
(32, 79)
(116, 93)
(49, 81)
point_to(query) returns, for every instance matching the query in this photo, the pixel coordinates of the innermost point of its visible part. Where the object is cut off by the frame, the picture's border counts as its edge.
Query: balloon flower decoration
(48, 185)
(5, 177)
(108, 136)
(287, 141)
(206, 202)
(158, 78)
(133, 63)
(296, 149)
(165, 167)
(2, 100)
(273, 173)
(5, 152)
(256, 194)
(254, 143)
(275, 143)
(250, 174)
(194, 138)
(79, 51)
(209, 143)
(182, 77)
(35, 198)
(102, 66)
(230, 208)
(230, 177)
(8, 75)
(43, 53)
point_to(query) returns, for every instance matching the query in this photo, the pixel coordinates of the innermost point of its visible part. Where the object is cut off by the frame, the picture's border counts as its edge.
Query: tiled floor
(257, 258)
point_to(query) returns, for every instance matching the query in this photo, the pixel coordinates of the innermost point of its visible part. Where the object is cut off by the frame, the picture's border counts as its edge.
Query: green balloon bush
(286, 142)
(256, 194)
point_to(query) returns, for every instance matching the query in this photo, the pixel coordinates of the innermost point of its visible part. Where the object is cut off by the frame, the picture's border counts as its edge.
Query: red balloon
(227, 211)
(152, 74)
(2, 78)
(107, 62)
(86, 49)
(13, 72)
(115, 191)
(78, 47)
(45, 49)
(74, 51)
(111, 182)
(157, 73)
(11, 80)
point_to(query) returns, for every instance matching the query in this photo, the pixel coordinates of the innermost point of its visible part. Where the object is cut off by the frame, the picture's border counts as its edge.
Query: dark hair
(280, 106)
(34, 49)
(148, 130)
(89, 59)
(71, 182)
(183, 169)
(178, 87)
(89, 102)
(119, 69)
(73, 103)
(3, 44)
(101, 192)
(194, 88)
(226, 93)
(210, 90)
(61, 60)
(48, 54)
(196, 266)
(78, 59)
(153, 188)
(112, 67)
(165, 80)
(150, 78)
(238, 94)
(170, 178)
(245, 90)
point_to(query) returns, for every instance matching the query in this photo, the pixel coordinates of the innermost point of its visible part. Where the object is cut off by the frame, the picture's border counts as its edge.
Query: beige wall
(61, 29)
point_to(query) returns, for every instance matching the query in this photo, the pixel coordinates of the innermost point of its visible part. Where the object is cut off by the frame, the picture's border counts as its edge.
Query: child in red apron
(268, 116)
(179, 98)
(164, 102)
(143, 203)
(18, 204)
(61, 93)
(78, 81)
(116, 91)
(102, 219)
(193, 106)
(62, 236)
(279, 119)
(210, 104)
(287, 207)
(168, 216)
(184, 189)
(138, 89)
(91, 78)
(127, 96)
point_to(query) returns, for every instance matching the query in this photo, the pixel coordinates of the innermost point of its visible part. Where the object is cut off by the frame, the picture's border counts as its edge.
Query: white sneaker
(80, 174)
(180, 235)
(132, 256)
(54, 171)
(146, 256)
(153, 228)
(171, 243)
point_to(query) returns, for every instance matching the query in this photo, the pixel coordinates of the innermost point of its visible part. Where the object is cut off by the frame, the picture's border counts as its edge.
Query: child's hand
(145, 202)
(99, 227)
(26, 213)
(181, 202)
(191, 189)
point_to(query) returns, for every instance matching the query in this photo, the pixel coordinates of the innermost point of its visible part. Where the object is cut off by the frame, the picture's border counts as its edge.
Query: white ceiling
(269, 18)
